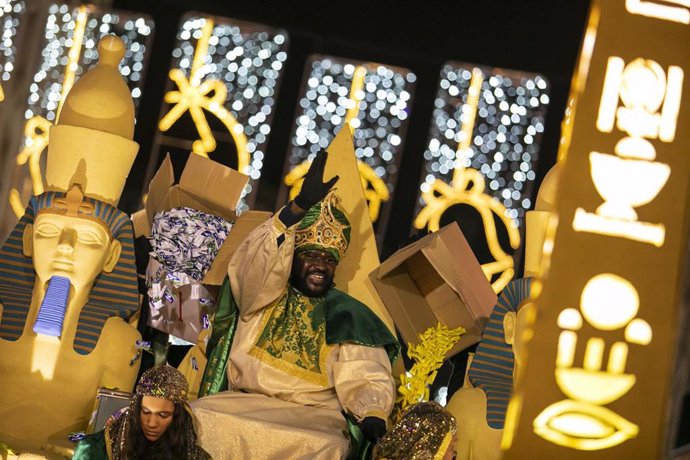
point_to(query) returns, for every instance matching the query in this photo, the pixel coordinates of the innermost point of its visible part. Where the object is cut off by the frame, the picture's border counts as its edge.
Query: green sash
(347, 321)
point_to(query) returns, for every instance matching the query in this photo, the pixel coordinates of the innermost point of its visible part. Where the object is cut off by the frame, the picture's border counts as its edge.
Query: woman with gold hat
(158, 424)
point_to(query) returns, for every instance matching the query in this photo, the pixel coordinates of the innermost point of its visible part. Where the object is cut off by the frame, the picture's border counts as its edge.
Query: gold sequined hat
(163, 382)
(324, 227)
(425, 432)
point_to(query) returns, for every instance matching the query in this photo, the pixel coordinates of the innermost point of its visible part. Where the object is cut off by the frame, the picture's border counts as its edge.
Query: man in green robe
(299, 357)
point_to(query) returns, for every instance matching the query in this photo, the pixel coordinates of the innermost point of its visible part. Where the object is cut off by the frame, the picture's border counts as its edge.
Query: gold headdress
(91, 144)
(324, 227)
(163, 382)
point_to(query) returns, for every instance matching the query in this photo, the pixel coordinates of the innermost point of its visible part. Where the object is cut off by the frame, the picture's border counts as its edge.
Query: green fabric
(92, 447)
(347, 320)
(215, 377)
(350, 321)
(295, 333)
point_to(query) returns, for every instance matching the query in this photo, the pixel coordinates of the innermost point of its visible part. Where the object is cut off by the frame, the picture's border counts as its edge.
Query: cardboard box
(436, 279)
(107, 403)
(209, 187)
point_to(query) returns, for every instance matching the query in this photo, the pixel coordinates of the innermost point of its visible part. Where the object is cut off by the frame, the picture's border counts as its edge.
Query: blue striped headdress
(492, 366)
(113, 294)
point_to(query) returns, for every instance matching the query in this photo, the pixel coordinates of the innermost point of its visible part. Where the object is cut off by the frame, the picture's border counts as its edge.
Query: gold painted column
(597, 378)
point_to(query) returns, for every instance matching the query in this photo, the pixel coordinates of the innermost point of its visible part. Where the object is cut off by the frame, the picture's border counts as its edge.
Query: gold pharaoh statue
(67, 274)
(480, 405)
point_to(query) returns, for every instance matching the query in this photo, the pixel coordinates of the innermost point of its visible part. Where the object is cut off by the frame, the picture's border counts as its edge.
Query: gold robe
(278, 407)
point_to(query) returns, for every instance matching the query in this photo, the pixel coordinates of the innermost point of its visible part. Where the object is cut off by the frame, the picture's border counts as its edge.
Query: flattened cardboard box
(209, 187)
(436, 279)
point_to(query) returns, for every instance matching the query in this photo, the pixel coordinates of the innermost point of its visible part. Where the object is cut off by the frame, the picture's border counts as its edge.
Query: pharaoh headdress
(91, 146)
(492, 366)
(113, 294)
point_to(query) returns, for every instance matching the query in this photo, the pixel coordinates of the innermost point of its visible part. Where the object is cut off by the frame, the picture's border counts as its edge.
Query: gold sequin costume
(425, 432)
(288, 387)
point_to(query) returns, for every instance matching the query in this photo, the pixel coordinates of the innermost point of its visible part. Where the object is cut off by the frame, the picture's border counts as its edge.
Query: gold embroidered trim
(292, 369)
(316, 378)
(326, 231)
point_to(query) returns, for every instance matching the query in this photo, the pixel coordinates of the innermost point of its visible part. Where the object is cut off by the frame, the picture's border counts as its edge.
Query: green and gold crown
(324, 227)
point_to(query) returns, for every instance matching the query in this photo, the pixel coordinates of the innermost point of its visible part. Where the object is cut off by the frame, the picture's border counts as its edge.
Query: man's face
(69, 246)
(156, 416)
(312, 272)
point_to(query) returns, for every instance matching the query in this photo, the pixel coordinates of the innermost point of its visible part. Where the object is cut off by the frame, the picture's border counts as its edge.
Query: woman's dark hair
(175, 443)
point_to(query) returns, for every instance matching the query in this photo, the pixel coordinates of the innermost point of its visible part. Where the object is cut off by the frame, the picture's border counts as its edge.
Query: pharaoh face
(76, 248)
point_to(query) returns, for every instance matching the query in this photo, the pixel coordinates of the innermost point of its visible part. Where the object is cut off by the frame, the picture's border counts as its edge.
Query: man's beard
(300, 283)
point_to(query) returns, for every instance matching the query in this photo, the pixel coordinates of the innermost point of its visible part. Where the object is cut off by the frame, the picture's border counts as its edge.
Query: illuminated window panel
(71, 37)
(10, 13)
(374, 99)
(482, 153)
(503, 143)
(67, 27)
(223, 88)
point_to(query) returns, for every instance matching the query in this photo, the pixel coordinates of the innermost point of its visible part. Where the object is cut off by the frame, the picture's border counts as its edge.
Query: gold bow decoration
(375, 190)
(194, 97)
(467, 187)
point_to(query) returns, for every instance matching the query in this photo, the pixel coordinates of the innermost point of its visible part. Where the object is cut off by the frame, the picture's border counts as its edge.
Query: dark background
(534, 36)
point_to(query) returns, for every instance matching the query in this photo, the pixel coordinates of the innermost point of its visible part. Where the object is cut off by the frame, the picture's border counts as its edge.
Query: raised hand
(314, 189)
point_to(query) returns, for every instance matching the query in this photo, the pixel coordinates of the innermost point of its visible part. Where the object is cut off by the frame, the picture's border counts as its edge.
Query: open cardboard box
(209, 187)
(436, 279)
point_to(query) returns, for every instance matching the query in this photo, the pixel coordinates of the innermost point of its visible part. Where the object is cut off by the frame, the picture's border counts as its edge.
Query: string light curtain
(483, 150)
(222, 93)
(374, 100)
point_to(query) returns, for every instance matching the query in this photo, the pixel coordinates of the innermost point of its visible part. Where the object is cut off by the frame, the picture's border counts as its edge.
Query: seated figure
(304, 355)
(67, 274)
(158, 423)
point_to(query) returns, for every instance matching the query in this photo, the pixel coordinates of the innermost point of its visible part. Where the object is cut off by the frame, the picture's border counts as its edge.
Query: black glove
(313, 188)
(372, 428)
